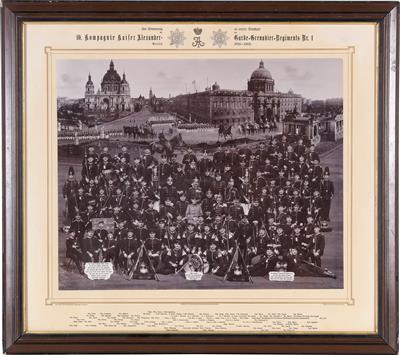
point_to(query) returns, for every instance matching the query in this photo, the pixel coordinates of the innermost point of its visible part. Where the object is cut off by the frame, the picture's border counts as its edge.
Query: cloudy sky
(312, 78)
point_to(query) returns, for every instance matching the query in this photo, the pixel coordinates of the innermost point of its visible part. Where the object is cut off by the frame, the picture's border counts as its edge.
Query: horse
(224, 131)
(165, 146)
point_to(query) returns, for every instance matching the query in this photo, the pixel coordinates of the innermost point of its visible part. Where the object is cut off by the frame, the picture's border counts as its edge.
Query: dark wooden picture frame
(386, 14)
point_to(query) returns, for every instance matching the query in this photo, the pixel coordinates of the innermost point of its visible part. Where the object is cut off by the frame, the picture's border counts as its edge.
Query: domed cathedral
(261, 80)
(114, 95)
(268, 104)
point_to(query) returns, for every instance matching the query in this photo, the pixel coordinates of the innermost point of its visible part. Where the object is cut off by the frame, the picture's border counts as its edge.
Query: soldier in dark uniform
(73, 251)
(120, 231)
(318, 246)
(264, 264)
(261, 153)
(118, 200)
(149, 163)
(174, 163)
(165, 170)
(91, 193)
(207, 205)
(90, 154)
(205, 163)
(125, 154)
(300, 148)
(188, 239)
(137, 172)
(236, 210)
(78, 201)
(218, 186)
(180, 180)
(128, 251)
(269, 171)
(244, 152)
(206, 180)
(188, 158)
(169, 191)
(219, 159)
(172, 260)
(220, 208)
(110, 249)
(284, 241)
(316, 206)
(78, 227)
(153, 246)
(69, 189)
(306, 240)
(101, 233)
(227, 244)
(302, 167)
(91, 247)
(181, 205)
(103, 204)
(327, 191)
(316, 174)
(231, 192)
(191, 173)
(167, 210)
(89, 170)
(150, 215)
(104, 153)
(218, 262)
(298, 215)
(312, 155)
(256, 213)
(141, 232)
(105, 168)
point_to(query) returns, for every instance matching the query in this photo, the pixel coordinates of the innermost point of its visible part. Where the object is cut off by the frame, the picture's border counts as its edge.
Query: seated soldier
(153, 247)
(172, 260)
(218, 264)
(73, 251)
(91, 247)
(110, 249)
(263, 265)
(188, 239)
(128, 252)
(193, 210)
(318, 246)
(226, 243)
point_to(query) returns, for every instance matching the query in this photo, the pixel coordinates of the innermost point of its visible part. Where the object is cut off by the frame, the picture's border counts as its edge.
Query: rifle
(85, 165)
(168, 232)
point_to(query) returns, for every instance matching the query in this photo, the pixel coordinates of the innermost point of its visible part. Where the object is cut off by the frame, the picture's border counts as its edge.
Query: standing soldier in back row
(327, 191)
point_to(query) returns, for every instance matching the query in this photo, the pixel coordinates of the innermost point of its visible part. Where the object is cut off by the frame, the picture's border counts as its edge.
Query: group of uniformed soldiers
(267, 204)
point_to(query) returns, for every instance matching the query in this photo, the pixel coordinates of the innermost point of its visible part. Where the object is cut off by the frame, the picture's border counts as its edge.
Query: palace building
(112, 96)
(258, 103)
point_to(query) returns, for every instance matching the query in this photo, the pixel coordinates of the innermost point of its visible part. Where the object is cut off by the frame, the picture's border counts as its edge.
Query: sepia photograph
(200, 173)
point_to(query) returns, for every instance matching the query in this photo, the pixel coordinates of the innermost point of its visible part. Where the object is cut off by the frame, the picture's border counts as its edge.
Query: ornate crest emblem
(219, 38)
(176, 38)
(197, 42)
(197, 31)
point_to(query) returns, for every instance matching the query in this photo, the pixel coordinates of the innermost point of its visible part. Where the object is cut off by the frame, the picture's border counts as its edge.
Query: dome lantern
(215, 86)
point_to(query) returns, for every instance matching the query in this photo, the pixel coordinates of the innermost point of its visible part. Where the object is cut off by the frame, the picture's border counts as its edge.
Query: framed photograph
(200, 177)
